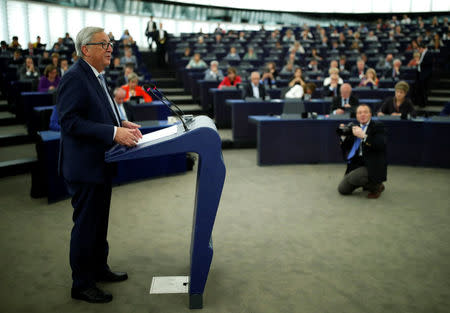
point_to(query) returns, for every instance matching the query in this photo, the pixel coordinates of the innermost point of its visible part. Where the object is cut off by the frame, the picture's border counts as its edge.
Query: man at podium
(90, 125)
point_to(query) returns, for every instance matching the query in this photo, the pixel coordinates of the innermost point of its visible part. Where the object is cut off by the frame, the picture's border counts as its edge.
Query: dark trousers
(358, 177)
(88, 245)
(421, 90)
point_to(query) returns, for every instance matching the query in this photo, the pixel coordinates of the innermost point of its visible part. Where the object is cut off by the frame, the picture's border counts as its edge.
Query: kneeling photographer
(364, 148)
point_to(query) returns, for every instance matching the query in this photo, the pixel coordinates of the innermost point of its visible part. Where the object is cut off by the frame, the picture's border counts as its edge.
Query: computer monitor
(293, 108)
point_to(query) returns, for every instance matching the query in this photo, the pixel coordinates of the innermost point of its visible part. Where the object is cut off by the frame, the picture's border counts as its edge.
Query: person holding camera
(364, 148)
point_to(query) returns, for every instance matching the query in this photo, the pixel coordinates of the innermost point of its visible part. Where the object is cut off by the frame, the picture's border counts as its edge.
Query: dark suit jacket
(326, 92)
(158, 39)
(248, 91)
(373, 152)
(426, 66)
(337, 104)
(407, 107)
(87, 126)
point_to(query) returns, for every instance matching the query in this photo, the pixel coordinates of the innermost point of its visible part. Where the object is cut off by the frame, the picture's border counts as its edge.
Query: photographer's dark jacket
(373, 152)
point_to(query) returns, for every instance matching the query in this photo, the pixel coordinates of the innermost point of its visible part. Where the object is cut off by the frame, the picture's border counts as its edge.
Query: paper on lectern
(158, 134)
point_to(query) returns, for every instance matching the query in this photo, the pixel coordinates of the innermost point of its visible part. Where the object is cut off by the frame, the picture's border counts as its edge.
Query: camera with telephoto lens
(345, 130)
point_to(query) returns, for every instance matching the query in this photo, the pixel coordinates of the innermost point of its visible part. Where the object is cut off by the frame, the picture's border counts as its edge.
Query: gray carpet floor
(284, 241)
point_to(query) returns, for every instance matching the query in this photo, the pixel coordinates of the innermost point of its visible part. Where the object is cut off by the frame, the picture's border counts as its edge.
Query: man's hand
(358, 132)
(396, 114)
(128, 135)
(347, 105)
(340, 111)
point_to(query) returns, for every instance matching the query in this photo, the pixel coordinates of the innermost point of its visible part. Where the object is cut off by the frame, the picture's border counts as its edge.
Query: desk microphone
(153, 91)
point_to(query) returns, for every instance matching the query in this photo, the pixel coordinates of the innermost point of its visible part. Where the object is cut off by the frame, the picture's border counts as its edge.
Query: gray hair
(118, 89)
(85, 36)
(214, 62)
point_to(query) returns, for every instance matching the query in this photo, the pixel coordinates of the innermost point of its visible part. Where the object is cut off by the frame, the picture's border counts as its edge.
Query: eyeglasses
(105, 45)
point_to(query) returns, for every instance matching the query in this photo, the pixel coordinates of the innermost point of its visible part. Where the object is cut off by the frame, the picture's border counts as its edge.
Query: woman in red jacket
(133, 90)
(231, 79)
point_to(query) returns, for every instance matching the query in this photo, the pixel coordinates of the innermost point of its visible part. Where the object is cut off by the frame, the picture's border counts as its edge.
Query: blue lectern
(203, 139)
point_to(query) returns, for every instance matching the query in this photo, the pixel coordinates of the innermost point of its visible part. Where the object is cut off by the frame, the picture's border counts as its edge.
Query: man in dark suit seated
(90, 125)
(123, 79)
(364, 149)
(333, 89)
(346, 102)
(254, 89)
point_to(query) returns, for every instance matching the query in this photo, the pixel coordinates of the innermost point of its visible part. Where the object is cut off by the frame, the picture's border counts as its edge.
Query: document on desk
(158, 134)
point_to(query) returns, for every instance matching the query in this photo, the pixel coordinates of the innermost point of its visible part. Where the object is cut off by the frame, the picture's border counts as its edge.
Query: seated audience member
(74, 57)
(289, 36)
(242, 37)
(313, 66)
(343, 65)
(365, 154)
(17, 58)
(309, 90)
(128, 57)
(400, 104)
(315, 55)
(187, 52)
(214, 73)
(50, 80)
(331, 71)
(394, 73)
(405, 20)
(288, 68)
(4, 50)
(64, 67)
(360, 69)
(370, 79)
(134, 90)
(45, 59)
(232, 79)
(250, 55)
(28, 70)
(270, 74)
(119, 97)
(232, 55)
(436, 42)
(196, 62)
(346, 102)
(415, 60)
(297, 79)
(294, 92)
(386, 63)
(123, 79)
(30, 50)
(413, 46)
(115, 64)
(38, 44)
(68, 41)
(254, 89)
(333, 89)
(371, 36)
(15, 45)
(55, 59)
(297, 48)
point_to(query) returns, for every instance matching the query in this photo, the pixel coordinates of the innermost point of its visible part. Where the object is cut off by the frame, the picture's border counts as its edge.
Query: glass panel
(57, 24)
(16, 26)
(36, 15)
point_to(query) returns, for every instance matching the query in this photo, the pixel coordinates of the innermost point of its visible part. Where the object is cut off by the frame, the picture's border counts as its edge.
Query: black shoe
(110, 276)
(92, 295)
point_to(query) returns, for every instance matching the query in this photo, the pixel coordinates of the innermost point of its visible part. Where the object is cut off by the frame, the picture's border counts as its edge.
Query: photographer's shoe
(376, 194)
